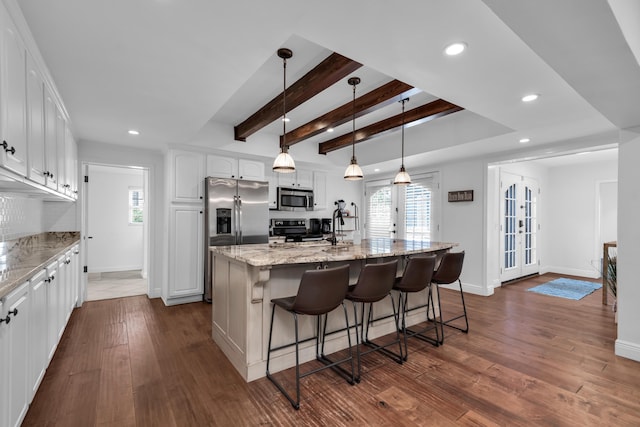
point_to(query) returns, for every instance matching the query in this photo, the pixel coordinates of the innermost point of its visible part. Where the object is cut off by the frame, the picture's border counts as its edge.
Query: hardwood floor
(528, 359)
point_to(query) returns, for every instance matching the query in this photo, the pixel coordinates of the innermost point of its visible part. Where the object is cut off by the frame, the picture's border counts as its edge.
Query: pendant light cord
(284, 105)
(353, 121)
(403, 101)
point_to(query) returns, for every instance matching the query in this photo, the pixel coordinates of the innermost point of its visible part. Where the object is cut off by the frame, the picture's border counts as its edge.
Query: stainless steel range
(294, 230)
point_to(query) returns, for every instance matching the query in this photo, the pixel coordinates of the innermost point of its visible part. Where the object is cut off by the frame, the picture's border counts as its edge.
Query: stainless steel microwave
(294, 199)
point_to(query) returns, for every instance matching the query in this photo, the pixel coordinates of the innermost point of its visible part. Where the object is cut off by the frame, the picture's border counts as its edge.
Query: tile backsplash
(22, 216)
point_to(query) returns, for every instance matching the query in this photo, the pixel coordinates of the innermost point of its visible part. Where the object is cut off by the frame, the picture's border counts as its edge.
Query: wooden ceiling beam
(378, 98)
(424, 113)
(325, 74)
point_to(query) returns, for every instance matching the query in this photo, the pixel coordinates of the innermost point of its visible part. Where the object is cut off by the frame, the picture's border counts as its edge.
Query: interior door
(519, 226)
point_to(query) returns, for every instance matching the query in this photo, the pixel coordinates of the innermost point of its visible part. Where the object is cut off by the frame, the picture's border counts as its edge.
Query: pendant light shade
(353, 172)
(284, 162)
(402, 178)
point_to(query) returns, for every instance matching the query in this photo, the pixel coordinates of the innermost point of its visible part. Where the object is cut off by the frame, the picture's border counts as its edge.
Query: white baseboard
(114, 269)
(182, 300)
(471, 289)
(628, 349)
(570, 271)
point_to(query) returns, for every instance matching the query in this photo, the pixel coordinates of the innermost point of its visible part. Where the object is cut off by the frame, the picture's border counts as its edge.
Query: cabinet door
(186, 251)
(304, 179)
(17, 334)
(251, 170)
(222, 167)
(188, 176)
(69, 163)
(60, 143)
(273, 191)
(50, 142)
(319, 190)
(35, 123)
(37, 332)
(74, 168)
(13, 99)
(52, 308)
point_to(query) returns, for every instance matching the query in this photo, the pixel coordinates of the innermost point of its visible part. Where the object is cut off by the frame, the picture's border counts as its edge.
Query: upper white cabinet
(13, 98)
(273, 190)
(50, 141)
(301, 178)
(62, 172)
(319, 190)
(70, 162)
(187, 176)
(230, 167)
(35, 124)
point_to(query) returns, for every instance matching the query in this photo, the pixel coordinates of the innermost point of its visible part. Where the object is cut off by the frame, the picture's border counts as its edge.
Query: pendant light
(402, 178)
(353, 172)
(284, 162)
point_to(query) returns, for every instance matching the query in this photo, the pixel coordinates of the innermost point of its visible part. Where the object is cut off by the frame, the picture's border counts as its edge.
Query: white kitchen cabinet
(319, 190)
(186, 245)
(186, 171)
(63, 186)
(50, 141)
(13, 99)
(61, 278)
(230, 167)
(35, 124)
(38, 348)
(16, 340)
(273, 190)
(51, 282)
(301, 178)
(70, 159)
(74, 273)
(3, 366)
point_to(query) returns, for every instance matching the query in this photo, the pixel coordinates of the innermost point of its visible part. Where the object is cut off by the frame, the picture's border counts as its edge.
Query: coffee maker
(315, 226)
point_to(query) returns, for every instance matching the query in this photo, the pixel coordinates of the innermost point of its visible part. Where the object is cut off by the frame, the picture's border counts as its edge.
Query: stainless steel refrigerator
(236, 213)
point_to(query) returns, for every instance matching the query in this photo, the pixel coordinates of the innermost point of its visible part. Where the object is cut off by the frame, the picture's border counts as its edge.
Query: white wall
(573, 226)
(108, 154)
(628, 342)
(116, 245)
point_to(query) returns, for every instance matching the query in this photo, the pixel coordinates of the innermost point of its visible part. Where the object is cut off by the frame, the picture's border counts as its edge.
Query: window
(413, 208)
(136, 205)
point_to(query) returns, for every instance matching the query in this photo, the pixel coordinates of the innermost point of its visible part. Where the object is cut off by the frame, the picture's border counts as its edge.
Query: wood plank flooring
(528, 359)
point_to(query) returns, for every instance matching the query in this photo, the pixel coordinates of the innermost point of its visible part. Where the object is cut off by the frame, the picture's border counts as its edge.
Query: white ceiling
(186, 72)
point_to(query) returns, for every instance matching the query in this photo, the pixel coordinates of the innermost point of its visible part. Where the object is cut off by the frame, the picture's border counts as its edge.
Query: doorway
(519, 226)
(115, 231)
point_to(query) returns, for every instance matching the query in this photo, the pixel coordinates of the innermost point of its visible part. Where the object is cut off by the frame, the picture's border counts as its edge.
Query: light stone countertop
(267, 254)
(21, 258)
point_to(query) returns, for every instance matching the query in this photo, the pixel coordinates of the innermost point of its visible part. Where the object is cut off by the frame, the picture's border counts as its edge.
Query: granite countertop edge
(21, 259)
(265, 255)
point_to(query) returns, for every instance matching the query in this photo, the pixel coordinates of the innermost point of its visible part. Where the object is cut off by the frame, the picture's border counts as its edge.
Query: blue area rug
(566, 288)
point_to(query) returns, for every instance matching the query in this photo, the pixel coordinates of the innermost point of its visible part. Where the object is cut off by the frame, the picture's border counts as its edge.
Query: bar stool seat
(320, 292)
(374, 284)
(416, 278)
(449, 272)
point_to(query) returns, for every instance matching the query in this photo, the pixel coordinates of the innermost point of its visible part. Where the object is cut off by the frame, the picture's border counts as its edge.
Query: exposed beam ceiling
(378, 98)
(325, 74)
(424, 113)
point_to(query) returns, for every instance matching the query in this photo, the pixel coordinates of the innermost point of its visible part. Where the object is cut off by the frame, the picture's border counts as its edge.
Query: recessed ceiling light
(583, 153)
(524, 140)
(376, 170)
(455, 48)
(330, 130)
(530, 97)
(133, 132)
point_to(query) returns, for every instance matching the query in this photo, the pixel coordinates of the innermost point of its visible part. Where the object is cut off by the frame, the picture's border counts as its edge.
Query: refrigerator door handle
(239, 204)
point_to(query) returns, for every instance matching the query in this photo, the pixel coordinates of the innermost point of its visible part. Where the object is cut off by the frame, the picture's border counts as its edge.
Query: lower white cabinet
(15, 338)
(52, 308)
(38, 353)
(186, 246)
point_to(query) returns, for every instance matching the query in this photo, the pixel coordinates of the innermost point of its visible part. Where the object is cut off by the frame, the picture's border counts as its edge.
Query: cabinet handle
(6, 319)
(52, 277)
(14, 312)
(5, 145)
(11, 150)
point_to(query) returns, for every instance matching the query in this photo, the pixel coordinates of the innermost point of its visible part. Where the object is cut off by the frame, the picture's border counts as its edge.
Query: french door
(519, 226)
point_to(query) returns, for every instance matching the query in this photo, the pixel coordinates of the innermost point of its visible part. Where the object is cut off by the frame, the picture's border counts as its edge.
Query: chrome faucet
(336, 214)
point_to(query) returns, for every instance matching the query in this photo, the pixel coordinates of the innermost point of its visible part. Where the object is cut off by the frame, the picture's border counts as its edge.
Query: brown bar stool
(374, 284)
(416, 277)
(448, 272)
(320, 292)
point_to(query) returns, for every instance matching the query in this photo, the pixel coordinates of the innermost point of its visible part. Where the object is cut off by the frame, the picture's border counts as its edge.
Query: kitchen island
(247, 277)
